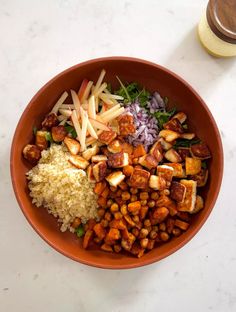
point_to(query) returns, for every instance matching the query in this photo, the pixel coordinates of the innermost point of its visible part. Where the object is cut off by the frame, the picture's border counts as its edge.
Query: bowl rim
(157, 257)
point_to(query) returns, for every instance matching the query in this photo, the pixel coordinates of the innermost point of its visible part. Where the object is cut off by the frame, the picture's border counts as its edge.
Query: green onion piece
(80, 230)
(71, 130)
(48, 137)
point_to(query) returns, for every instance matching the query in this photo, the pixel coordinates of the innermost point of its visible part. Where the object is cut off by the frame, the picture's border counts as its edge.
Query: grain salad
(60, 187)
(125, 173)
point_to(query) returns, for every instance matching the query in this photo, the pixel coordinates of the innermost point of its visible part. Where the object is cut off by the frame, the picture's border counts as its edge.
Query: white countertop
(38, 40)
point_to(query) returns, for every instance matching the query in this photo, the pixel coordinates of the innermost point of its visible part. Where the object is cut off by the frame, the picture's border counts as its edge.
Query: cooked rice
(60, 187)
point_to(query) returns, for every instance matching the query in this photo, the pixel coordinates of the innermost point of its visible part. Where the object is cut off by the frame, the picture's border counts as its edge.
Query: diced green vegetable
(48, 137)
(35, 130)
(71, 130)
(185, 143)
(132, 92)
(80, 230)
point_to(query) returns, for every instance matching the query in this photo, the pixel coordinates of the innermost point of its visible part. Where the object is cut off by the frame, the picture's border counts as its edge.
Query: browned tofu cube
(98, 158)
(174, 125)
(106, 137)
(32, 153)
(181, 117)
(183, 152)
(198, 205)
(115, 178)
(178, 170)
(139, 178)
(177, 191)
(156, 151)
(40, 140)
(59, 133)
(115, 146)
(192, 165)
(189, 201)
(126, 125)
(200, 178)
(90, 152)
(78, 161)
(72, 145)
(148, 161)
(90, 174)
(166, 172)
(169, 135)
(157, 183)
(118, 160)
(173, 156)
(200, 151)
(99, 171)
(50, 121)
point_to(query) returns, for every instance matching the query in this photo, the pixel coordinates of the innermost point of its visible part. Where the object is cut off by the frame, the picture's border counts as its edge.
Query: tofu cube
(126, 124)
(192, 165)
(118, 160)
(115, 178)
(72, 145)
(78, 161)
(177, 191)
(148, 161)
(90, 174)
(90, 152)
(115, 147)
(100, 170)
(156, 151)
(98, 158)
(189, 201)
(200, 151)
(157, 183)
(174, 125)
(106, 137)
(178, 170)
(165, 172)
(198, 205)
(139, 178)
(169, 135)
(181, 117)
(173, 156)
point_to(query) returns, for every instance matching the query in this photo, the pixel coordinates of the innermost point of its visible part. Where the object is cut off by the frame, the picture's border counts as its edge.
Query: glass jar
(217, 28)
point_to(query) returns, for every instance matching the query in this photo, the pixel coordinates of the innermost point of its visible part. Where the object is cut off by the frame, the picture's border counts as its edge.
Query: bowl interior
(153, 78)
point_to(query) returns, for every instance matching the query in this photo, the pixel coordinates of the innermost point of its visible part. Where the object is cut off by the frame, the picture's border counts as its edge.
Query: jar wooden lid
(221, 17)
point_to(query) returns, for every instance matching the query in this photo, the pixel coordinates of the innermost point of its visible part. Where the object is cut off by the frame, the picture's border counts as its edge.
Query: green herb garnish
(48, 137)
(35, 129)
(80, 230)
(185, 126)
(131, 92)
(185, 143)
(204, 165)
(163, 117)
(71, 130)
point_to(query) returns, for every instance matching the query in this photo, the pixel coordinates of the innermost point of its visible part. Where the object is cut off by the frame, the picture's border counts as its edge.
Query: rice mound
(61, 188)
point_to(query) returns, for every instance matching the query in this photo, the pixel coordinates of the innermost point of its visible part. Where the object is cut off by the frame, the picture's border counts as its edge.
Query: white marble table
(38, 40)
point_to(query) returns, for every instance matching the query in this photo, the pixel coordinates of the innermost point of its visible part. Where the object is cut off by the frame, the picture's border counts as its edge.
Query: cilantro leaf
(48, 137)
(71, 130)
(163, 117)
(185, 143)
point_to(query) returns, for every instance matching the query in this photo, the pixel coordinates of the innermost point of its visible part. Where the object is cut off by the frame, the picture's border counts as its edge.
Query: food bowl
(153, 77)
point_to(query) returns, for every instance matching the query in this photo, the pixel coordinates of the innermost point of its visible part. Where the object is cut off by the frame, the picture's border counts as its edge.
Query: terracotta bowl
(153, 77)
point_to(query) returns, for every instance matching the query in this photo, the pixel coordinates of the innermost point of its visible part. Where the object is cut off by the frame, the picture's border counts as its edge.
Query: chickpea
(108, 216)
(151, 203)
(135, 232)
(109, 202)
(136, 218)
(147, 222)
(133, 190)
(162, 227)
(101, 212)
(118, 193)
(143, 202)
(117, 248)
(143, 195)
(151, 243)
(166, 192)
(164, 236)
(148, 228)
(104, 223)
(154, 195)
(123, 210)
(114, 207)
(144, 242)
(125, 196)
(143, 233)
(153, 234)
(176, 232)
(118, 215)
(133, 198)
(155, 228)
